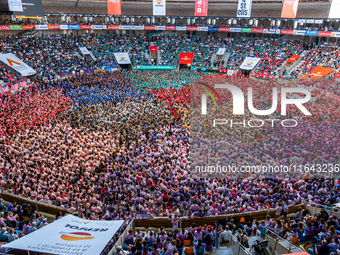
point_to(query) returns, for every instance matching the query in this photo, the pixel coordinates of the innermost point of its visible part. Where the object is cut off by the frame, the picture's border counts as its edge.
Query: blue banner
(312, 33)
(203, 69)
(73, 26)
(214, 29)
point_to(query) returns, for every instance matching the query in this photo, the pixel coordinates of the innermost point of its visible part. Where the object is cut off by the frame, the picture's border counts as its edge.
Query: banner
(156, 67)
(249, 63)
(53, 27)
(201, 8)
(310, 21)
(5, 89)
(269, 31)
(214, 29)
(202, 28)
(334, 12)
(97, 27)
(220, 51)
(114, 7)
(293, 58)
(74, 27)
(191, 28)
(15, 27)
(244, 8)
(230, 72)
(15, 86)
(299, 32)
(31, 9)
(312, 33)
(23, 84)
(186, 58)
(15, 6)
(41, 27)
(335, 34)
(153, 48)
(159, 27)
(137, 27)
(149, 27)
(64, 27)
(114, 27)
(289, 9)
(287, 32)
(84, 50)
(257, 30)
(318, 72)
(15, 63)
(235, 29)
(122, 58)
(122, 27)
(170, 28)
(224, 29)
(159, 7)
(69, 235)
(5, 27)
(323, 33)
(246, 30)
(181, 28)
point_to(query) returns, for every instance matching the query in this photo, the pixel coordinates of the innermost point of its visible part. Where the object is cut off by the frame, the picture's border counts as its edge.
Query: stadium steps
(291, 68)
(226, 57)
(92, 56)
(213, 58)
(159, 57)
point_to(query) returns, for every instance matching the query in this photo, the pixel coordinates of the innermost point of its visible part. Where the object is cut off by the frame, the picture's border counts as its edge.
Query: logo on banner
(122, 58)
(114, 1)
(159, 1)
(10, 62)
(76, 236)
(249, 63)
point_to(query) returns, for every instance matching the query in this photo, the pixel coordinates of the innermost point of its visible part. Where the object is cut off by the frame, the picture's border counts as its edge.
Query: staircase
(78, 55)
(148, 57)
(291, 68)
(92, 56)
(159, 57)
(213, 58)
(226, 57)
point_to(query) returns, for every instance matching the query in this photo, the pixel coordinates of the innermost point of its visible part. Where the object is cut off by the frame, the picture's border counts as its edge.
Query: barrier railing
(281, 245)
(237, 247)
(121, 239)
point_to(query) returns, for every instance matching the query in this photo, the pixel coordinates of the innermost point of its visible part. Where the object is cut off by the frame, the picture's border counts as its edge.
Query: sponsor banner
(181, 28)
(153, 48)
(301, 21)
(221, 51)
(235, 29)
(191, 28)
(53, 26)
(334, 11)
(213, 29)
(246, 30)
(28, 27)
(318, 21)
(30, 9)
(69, 235)
(137, 27)
(258, 30)
(15, 6)
(224, 29)
(5, 27)
(318, 72)
(15, 63)
(15, 86)
(278, 31)
(311, 21)
(201, 8)
(289, 9)
(64, 27)
(149, 27)
(249, 63)
(323, 33)
(15, 27)
(287, 32)
(84, 50)
(244, 8)
(122, 58)
(186, 58)
(105, 27)
(114, 27)
(170, 28)
(114, 7)
(85, 27)
(312, 33)
(156, 67)
(121, 27)
(159, 7)
(269, 31)
(293, 58)
(299, 32)
(5, 89)
(97, 27)
(202, 28)
(335, 34)
(41, 27)
(230, 72)
(159, 27)
(74, 27)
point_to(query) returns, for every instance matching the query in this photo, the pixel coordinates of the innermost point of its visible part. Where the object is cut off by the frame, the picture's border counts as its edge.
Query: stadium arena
(169, 127)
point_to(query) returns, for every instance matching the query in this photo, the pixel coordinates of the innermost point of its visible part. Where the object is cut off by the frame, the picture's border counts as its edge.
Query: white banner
(122, 58)
(249, 63)
(230, 72)
(15, 5)
(178, 28)
(278, 31)
(311, 21)
(334, 12)
(15, 63)
(137, 27)
(301, 21)
(244, 8)
(235, 29)
(97, 27)
(299, 32)
(41, 27)
(124, 27)
(220, 51)
(159, 27)
(63, 27)
(335, 34)
(202, 28)
(268, 31)
(318, 21)
(84, 50)
(159, 7)
(69, 235)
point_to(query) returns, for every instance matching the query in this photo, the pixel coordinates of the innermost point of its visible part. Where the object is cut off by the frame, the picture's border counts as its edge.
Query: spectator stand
(121, 240)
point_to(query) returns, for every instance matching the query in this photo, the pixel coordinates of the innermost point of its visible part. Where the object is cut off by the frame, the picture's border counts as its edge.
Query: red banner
(289, 9)
(86, 26)
(318, 72)
(323, 33)
(191, 28)
(287, 32)
(201, 8)
(186, 58)
(149, 27)
(153, 48)
(28, 27)
(114, 7)
(224, 29)
(170, 28)
(5, 27)
(114, 27)
(293, 58)
(53, 27)
(257, 30)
